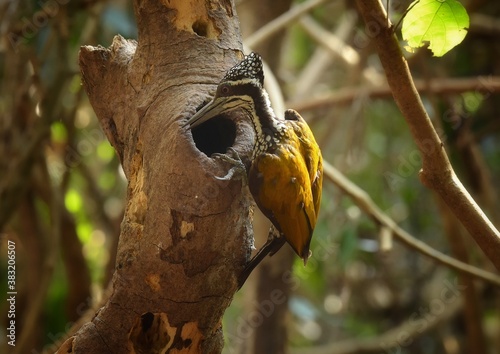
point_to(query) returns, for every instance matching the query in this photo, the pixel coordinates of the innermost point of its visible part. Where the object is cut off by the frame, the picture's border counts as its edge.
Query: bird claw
(238, 166)
(273, 244)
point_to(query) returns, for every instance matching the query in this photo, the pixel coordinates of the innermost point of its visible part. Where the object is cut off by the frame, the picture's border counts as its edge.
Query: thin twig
(316, 66)
(364, 201)
(442, 86)
(395, 28)
(330, 41)
(484, 24)
(388, 340)
(281, 22)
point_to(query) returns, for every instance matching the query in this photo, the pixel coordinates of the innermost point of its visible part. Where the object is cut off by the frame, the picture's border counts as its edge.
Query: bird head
(249, 70)
(241, 88)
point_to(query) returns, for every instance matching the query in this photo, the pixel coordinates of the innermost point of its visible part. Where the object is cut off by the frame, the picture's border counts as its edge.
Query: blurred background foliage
(62, 188)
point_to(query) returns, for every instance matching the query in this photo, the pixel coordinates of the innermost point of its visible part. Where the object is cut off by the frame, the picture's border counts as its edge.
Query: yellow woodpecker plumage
(286, 181)
(286, 173)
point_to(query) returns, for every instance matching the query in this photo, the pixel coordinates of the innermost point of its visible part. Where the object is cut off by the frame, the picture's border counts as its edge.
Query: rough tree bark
(185, 235)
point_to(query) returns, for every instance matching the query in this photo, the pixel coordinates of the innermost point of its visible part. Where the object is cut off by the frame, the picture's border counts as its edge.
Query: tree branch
(441, 86)
(314, 70)
(335, 45)
(395, 338)
(281, 22)
(437, 172)
(363, 200)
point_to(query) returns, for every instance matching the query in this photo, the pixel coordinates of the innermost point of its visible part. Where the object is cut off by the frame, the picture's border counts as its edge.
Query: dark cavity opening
(147, 321)
(215, 135)
(200, 28)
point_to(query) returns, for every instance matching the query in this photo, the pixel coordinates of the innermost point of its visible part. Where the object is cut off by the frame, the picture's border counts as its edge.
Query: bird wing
(281, 184)
(310, 148)
(283, 194)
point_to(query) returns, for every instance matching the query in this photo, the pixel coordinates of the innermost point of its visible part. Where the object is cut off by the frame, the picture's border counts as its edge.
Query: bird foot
(238, 166)
(274, 242)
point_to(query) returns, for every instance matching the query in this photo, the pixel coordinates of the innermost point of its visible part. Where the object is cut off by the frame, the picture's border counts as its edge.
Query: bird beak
(216, 107)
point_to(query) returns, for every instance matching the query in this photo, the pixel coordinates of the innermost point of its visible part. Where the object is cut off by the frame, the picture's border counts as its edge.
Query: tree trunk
(185, 235)
(264, 329)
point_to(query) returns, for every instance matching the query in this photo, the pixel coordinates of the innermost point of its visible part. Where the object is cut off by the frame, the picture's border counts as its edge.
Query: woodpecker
(286, 172)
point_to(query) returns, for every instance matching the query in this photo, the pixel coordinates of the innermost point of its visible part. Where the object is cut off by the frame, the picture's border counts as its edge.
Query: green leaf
(442, 23)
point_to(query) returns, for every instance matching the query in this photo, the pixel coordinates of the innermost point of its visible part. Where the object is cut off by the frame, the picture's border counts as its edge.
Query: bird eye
(224, 90)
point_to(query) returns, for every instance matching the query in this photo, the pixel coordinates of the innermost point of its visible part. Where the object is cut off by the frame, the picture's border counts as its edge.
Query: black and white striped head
(249, 70)
(241, 88)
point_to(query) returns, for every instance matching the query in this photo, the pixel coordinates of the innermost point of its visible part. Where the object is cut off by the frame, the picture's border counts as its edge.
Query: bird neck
(267, 127)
